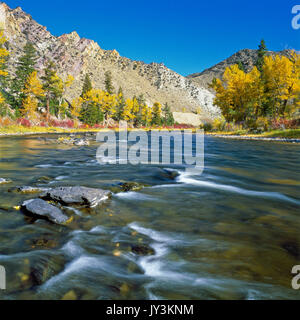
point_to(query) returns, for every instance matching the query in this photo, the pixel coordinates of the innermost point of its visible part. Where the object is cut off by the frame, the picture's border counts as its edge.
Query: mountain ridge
(247, 57)
(80, 56)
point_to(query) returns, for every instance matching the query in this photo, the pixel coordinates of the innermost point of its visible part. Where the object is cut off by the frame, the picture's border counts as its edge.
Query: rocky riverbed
(72, 228)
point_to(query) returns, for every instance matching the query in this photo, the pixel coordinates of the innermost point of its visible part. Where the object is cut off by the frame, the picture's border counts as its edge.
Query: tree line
(271, 90)
(28, 94)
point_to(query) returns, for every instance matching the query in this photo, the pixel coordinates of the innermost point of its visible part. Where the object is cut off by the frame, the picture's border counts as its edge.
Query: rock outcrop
(41, 209)
(79, 56)
(89, 197)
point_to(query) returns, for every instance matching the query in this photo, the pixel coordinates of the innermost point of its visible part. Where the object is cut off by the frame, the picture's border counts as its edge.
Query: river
(230, 233)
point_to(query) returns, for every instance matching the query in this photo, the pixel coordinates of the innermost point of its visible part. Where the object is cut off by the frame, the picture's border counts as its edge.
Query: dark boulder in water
(170, 174)
(88, 197)
(41, 209)
(143, 250)
(292, 248)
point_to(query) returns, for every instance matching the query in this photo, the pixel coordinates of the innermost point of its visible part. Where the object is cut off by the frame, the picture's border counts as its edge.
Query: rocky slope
(247, 57)
(78, 56)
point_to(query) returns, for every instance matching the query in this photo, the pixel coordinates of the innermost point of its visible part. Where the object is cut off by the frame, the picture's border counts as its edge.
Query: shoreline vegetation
(262, 103)
(288, 135)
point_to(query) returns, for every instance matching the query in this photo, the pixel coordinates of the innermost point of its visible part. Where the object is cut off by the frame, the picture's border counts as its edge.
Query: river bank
(255, 137)
(291, 136)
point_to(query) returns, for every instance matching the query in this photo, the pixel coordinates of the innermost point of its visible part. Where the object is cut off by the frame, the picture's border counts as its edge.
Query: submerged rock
(41, 209)
(89, 197)
(71, 140)
(128, 186)
(27, 189)
(4, 181)
(292, 248)
(81, 142)
(141, 249)
(44, 179)
(170, 174)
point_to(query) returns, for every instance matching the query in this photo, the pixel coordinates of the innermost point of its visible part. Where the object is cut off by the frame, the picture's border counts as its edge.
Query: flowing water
(230, 233)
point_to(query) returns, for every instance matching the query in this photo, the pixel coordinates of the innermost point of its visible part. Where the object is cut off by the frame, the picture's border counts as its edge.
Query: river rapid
(230, 233)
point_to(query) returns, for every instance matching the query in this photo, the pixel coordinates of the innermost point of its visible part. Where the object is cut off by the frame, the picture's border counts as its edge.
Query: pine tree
(241, 66)
(51, 85)
(156, 111)
(120, 106)
(168, 116)
(25, 66)
(91, 113)
(261, 52)
(87, 85)
(108, 83)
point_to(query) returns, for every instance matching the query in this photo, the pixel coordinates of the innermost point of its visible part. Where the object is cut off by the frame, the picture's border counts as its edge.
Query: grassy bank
(287, 134)
(22, 130)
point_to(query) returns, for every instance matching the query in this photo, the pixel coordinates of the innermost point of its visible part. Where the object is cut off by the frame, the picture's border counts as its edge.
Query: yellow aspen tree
(33, 91)
(76, 107)
(281, 80)
(146, 115)
(3, 54)
(128, 114)
(156, 112)
(238, 94)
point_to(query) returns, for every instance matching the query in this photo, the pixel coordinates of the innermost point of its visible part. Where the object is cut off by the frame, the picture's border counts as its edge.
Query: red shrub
(24, 122)
(62, 123)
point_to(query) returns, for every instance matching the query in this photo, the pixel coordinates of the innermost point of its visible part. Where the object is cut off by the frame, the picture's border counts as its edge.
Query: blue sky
(187, 36)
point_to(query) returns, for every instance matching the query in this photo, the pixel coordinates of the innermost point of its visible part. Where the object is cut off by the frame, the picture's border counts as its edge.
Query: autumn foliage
(251, 97)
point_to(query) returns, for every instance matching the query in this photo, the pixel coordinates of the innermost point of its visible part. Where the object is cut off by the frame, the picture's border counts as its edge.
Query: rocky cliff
(78, 56)
(247, 57)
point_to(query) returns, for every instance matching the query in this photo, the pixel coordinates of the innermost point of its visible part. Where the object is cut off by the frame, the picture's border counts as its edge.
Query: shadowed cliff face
(78, 56)
(247, 57)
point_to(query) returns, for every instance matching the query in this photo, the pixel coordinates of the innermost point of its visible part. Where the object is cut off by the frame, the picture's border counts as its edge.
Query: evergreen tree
(168, 116)
(262, 50)
(241, 66)
(51, 86)
(156, 111)
(25, 67)
(87, 85)
(108, 83)
(121, 105)
(91, 113)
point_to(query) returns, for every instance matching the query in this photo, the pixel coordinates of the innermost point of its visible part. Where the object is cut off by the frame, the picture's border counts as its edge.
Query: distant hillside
(247, 57)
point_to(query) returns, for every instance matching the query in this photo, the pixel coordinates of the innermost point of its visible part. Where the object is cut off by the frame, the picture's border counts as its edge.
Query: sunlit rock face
(78, 56)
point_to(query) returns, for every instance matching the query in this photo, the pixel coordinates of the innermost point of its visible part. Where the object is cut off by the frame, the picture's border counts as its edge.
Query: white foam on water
(186, 178)
(48, 165)
(156, 266)
(135, 195)
(61, 177)
(75, 266)
(155, 235)
(72, 249)
(98, 229)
